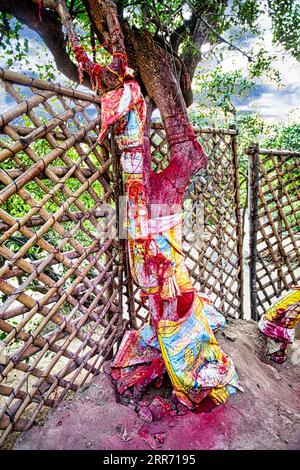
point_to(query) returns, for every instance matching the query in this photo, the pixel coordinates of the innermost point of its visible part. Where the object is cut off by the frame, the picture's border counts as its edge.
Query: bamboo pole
(117, 183)
(24, 107)
(279, 152)
(58, 171)
(239, 225)
(56, 88)
(39, 166)
(200, 130)
(253, 153)
(37, 220)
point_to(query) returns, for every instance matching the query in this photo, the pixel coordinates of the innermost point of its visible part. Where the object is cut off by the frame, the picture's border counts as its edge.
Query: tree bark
(49, 29)
(155, 70)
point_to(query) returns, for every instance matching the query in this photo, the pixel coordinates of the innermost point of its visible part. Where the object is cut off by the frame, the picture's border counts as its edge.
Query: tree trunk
(154, 240)
(156, 75)
(155, 72)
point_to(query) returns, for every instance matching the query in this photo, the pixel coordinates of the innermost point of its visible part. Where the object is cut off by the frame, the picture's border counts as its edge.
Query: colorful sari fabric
(126, 107)
(186, 349)
(278, 324)
(185, 346)
(195, 363)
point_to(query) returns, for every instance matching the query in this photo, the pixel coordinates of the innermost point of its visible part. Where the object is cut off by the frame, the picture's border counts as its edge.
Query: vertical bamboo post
(220, 246)
(280, 161)
(128, 277)
(220, 239)
(253, 153)
(130, 291)
(239, 218)
(117, 183)
(124, 266)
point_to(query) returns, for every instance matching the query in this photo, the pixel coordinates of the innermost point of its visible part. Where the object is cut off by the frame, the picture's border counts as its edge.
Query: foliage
(173, 24)
(14, 46)
(15, 50)
(216, 106)
(285, 16)
(284, 136)
(219, 88)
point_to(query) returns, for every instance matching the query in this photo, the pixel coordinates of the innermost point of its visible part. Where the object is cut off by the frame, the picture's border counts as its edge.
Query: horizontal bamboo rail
(202, 130)
(56, 88)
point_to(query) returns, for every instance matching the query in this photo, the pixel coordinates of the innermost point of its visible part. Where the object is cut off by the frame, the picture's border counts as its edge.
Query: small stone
(286, 441)
(157, 402)
(145, 436)
(119, 428)
(89, 443)
(229, 335)
(144, 403)
(160, 437)
(173, 413)
(274, 371)
(157, 408)
(145, 414)
(276, 374)
(132, 405)
(126, 436)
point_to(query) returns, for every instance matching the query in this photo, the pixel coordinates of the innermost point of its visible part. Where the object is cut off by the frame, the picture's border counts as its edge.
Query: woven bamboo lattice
(212, 229)
(274, 188)
(60, 309)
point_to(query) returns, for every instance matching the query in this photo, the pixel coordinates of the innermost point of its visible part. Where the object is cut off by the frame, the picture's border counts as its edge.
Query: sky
(274, 104)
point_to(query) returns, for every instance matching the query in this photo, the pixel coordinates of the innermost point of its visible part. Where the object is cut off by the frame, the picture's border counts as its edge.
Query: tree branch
(104, 18)
(51, 4)
(50, 31)
(222, 39)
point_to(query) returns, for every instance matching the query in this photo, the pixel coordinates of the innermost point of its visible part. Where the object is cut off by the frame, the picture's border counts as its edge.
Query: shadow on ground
(265, 416)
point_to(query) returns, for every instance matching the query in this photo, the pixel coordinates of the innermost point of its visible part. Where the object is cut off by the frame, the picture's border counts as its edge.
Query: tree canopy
(188, 31)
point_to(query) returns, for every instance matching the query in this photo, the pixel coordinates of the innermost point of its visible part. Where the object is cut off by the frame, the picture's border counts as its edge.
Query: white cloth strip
(163, 223)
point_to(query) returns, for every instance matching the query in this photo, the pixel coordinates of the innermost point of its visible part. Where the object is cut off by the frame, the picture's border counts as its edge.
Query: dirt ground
(265, 416)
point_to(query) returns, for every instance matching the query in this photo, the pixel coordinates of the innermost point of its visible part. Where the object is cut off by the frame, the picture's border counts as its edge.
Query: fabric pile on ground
(278, 324)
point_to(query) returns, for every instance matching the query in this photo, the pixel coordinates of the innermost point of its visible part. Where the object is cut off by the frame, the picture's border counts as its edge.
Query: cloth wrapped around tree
(279, 322)
(182, 345)
(180, 339)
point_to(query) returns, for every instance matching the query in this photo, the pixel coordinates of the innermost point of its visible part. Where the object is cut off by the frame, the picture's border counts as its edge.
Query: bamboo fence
(60, 313)
(274, 220)
(67, 295)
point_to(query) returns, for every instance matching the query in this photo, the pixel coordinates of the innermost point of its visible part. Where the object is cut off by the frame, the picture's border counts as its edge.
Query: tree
(162, 41)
